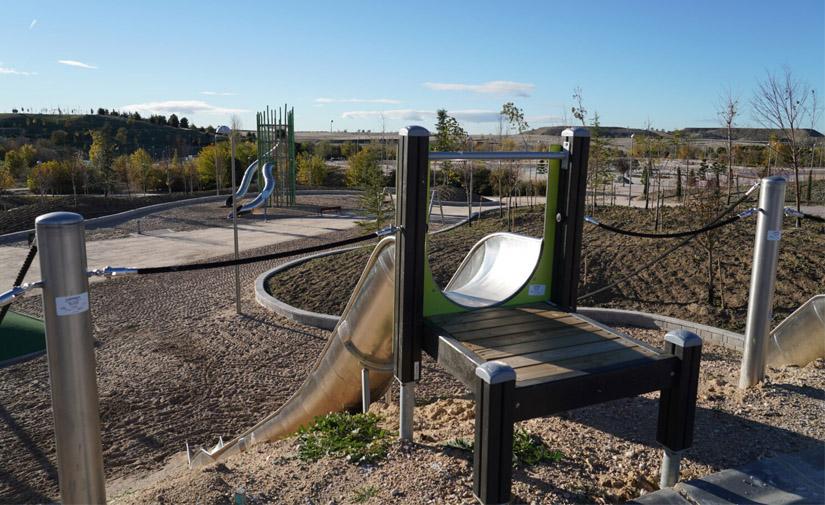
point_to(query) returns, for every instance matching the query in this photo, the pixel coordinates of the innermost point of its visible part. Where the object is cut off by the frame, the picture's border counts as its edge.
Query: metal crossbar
(516, 155)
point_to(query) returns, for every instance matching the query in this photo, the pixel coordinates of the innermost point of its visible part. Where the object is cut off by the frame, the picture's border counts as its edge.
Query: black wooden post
(677, 404)
(570, 218)
(411, 216)
(493, 452)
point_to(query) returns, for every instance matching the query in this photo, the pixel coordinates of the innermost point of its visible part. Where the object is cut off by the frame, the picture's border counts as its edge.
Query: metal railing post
(763, 278)
(61, 239)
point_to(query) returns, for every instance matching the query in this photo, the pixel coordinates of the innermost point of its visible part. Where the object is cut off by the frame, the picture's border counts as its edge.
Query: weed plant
(355, 437)
(528, 450)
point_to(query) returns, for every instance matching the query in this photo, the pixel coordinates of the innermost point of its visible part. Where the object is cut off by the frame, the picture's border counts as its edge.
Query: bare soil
(176, 364)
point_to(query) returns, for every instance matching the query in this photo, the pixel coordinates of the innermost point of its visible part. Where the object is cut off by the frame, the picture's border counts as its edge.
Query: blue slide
(269, 185)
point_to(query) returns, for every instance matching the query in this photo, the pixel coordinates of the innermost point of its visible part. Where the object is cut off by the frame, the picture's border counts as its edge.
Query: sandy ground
(176, 364)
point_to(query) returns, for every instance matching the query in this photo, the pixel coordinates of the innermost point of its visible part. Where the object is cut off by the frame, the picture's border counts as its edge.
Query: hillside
(72, 131)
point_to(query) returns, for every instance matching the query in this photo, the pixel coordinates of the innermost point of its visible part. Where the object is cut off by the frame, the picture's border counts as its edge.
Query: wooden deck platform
(564, 359)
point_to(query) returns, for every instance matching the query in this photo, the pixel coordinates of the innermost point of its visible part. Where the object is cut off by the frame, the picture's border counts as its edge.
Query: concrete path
(166, 247)
(788, 479)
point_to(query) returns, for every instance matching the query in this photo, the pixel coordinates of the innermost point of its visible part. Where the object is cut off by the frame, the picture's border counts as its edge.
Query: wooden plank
(513, 317)
(546, 344)
(478, 315)
(581, 365)
(519, 338)
(555, 355)
(510, 329)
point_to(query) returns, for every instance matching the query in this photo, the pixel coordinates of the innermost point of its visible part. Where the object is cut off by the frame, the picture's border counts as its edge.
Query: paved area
(788, 479)
(165, 247)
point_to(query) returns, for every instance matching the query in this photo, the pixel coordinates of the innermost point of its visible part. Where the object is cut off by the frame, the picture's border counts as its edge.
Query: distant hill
(72, 131)
(740, 134)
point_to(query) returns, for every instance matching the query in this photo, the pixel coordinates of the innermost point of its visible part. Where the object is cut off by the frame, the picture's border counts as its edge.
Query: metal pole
(365, 390)
(235, 226)
(763, 278)
(407, 406)
(217, 186)
(670, 468)
(61, 240)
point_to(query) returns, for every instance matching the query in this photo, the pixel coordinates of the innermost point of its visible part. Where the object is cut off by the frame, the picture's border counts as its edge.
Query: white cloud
(218, 93)
(11, 71)
(32, 25)
(469, 116)
(402, 115)
(73, 63)
(357, 100)
(492, 87)
(179, 107)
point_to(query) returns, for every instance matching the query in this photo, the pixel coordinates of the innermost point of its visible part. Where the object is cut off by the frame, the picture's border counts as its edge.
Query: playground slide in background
(800, 338)
(246, 180)
(269, 185)
(363, 337)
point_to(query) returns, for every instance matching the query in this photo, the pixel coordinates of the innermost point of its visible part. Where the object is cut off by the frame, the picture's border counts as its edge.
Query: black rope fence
(262, 257)
(667, 235)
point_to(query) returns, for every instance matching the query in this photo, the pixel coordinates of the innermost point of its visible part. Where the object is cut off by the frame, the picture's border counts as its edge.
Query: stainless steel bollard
(61, 239)
(670, 468)
(365, 390)
(763, 279)
(407, 402)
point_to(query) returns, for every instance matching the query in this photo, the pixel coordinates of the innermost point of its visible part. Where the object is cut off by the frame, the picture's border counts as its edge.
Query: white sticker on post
(536, 289)
(774, 235)
(74, 304)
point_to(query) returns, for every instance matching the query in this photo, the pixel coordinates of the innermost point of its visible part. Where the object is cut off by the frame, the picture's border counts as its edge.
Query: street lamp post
(630, 171)
(330, 125)
(225, 130)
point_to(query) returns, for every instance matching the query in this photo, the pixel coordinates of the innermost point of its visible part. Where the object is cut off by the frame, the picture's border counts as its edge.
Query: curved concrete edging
(99, 222)
(614, 317)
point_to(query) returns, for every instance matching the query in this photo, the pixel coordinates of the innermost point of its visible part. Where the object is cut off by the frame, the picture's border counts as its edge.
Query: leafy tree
(6, 180)
(122, 168)
(122, 136)
(184, 123)
(141, 162)
(19, 160)
(42, 178)
(311, 169)
(365, 168)
(59, 137)
(173, 121)
(102, 156)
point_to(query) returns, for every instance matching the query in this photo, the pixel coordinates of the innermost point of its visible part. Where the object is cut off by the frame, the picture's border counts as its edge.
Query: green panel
(435, 303)
(21, 335)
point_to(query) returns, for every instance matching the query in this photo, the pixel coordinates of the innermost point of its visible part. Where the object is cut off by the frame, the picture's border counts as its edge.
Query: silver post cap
(58, 219)
(578, 131)
(495, 372)
(414, 131)
(683, 338)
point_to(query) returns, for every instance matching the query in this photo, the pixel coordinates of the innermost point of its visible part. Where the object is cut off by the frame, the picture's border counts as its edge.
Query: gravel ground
(176, 364)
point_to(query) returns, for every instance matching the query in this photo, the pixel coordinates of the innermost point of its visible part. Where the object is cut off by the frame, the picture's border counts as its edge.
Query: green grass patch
(528, 450)
(355, 437)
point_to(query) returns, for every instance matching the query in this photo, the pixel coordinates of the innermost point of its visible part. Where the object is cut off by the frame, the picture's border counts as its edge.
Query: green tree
(122, 167)
(122, 136)
(365, 168)
(141, 163)
(173, 121)
(311, 169)
(184, 123)
(102, 156)
(6, 180)
(19, 160)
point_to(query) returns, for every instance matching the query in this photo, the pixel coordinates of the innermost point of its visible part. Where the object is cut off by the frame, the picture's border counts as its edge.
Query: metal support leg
(407, 401)
(493, 454)
(365, 390)
(71, 358)
(670, 468)
(677, 404)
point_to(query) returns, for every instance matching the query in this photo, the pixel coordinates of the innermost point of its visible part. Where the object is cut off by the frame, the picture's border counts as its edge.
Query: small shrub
(528, 450)
(354, 437)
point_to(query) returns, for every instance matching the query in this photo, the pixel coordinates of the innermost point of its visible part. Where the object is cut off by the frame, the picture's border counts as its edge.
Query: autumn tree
(141, 162)
(102, 156)
(782, 102)
(727, 108)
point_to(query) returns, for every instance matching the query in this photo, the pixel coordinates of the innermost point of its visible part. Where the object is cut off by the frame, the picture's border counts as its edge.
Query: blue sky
(348, 62)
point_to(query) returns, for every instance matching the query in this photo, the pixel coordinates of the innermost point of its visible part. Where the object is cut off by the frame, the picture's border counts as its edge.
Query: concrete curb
(103, 221)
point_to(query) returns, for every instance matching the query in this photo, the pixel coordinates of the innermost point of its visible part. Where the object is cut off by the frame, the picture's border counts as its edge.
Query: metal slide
(269, 185)
(800, 338)
(363, 337)
(246, 180)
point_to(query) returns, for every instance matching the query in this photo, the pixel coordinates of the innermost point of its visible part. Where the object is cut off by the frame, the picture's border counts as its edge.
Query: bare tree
(781, 102)
(727, 108)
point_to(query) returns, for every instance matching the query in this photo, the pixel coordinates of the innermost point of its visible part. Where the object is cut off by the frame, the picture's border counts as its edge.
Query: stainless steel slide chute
(495, 269)
(269, 185)
(800, 338)
(246, 180)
